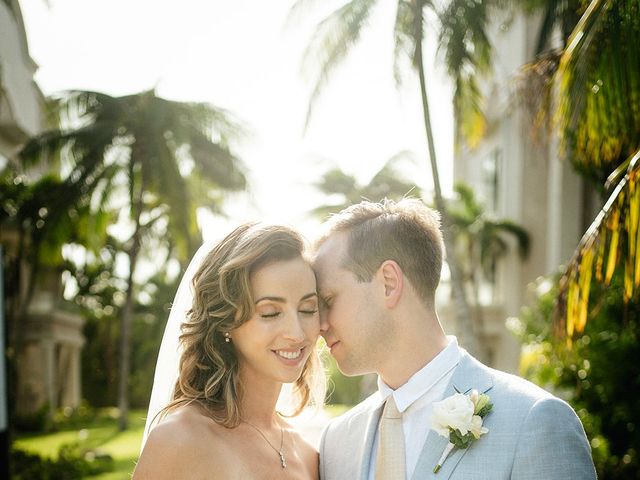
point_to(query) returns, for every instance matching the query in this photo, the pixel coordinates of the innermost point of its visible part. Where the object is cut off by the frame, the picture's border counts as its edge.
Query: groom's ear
(391, 276)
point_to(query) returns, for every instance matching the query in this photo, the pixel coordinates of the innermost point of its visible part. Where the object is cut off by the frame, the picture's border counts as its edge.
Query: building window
(490, 174)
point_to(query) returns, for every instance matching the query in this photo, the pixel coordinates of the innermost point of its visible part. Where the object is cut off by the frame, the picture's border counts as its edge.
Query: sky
(245, 56)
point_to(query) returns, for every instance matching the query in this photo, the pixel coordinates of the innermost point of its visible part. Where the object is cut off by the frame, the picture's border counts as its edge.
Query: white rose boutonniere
(459, 418)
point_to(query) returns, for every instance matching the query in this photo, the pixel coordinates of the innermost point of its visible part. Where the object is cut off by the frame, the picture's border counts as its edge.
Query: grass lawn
(103, 434)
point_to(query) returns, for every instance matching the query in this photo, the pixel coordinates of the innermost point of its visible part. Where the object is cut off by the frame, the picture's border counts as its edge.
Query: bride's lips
(291, 356)
(333, 344)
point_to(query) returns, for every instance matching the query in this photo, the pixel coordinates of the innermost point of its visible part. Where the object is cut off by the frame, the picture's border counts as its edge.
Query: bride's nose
(293, 328)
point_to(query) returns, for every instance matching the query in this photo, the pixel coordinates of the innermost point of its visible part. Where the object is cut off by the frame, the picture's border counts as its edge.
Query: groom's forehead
(330, 254)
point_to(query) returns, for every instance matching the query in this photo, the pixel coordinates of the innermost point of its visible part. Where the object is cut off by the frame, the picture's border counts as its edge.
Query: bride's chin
(292, 377)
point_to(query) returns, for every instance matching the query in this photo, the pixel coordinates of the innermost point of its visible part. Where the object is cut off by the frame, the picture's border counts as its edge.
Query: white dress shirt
(415, 400)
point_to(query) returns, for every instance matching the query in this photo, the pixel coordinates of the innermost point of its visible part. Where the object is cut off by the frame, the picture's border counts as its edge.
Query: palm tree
(467, 53)
(598, 113)
(36, 219)
(386, 183)
(157, 147)
(482, 240)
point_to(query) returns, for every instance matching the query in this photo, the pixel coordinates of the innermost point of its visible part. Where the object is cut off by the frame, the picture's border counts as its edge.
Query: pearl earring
(226, 337)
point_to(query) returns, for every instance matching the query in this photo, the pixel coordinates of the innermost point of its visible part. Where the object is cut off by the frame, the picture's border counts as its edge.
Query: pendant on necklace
(283, 462)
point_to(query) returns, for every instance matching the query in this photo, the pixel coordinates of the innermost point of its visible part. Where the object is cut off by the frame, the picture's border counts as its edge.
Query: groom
(378, 268)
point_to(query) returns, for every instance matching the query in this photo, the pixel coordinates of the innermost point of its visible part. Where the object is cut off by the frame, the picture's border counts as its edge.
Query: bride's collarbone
(248, 457)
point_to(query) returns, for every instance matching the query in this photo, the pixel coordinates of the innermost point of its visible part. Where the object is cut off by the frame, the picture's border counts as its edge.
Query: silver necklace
(280, 452)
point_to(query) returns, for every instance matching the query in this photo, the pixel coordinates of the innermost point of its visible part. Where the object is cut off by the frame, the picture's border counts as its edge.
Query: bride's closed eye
(269, 313)
(308, 307)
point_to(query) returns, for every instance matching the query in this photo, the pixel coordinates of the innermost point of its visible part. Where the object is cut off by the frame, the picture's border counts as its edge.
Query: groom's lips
(333, 344)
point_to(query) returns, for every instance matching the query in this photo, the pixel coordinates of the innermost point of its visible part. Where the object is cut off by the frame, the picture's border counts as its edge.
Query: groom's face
(350, 310)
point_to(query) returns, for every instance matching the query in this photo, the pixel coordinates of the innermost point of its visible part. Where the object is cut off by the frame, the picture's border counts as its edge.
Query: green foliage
(72, 463)
(482, 239)
(157, 148)
(341, 389)
(47, 213)
(612, 243)
(388, 182)
(37, 421)
(459, 440)
(461, 27)
(99, 437)
(100, 299)
(598, 103)
(68, 418)
(599, 374)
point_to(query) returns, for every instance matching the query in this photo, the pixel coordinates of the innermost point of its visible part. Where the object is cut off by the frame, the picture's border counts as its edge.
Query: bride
(251, 327)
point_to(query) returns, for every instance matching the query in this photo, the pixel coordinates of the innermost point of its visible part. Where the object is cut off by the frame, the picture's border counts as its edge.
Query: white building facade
(521, 178)
(21, 101)
(48, 362)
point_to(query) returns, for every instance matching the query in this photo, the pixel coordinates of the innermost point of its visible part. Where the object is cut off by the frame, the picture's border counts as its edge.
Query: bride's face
(277, 340)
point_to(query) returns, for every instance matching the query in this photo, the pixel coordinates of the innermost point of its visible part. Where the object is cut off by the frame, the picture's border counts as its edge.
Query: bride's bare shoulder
(183, 439)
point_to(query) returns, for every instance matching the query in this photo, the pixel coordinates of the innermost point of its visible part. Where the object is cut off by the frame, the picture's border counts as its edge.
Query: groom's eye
(326, 302)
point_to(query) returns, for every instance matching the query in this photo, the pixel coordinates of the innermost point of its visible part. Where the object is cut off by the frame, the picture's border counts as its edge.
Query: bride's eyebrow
(271, 299)
(284, 300)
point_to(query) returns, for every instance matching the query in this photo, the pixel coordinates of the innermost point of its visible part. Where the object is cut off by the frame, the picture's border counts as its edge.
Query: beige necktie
(390, 460)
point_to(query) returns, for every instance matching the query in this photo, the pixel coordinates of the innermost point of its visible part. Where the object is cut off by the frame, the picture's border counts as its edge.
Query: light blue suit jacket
(532, 436)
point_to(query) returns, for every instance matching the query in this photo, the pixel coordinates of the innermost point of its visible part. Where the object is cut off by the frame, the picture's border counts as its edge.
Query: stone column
(72, 393)
(49, 368)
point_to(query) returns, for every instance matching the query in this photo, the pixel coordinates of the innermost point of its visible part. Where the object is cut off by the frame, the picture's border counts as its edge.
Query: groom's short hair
(406, 231)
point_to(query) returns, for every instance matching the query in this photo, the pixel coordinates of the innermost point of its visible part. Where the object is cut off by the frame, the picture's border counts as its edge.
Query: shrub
(72, 463)
(598, 373)
(38, 421)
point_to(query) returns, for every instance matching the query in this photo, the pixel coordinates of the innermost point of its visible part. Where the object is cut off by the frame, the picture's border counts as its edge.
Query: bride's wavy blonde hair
(222, 301)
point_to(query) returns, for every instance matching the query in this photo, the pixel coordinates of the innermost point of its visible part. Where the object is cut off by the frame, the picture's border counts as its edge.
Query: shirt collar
(425, 378)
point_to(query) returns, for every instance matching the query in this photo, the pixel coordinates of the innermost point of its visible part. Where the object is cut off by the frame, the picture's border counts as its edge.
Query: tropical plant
(482, 239)
(598, 114)
(157, 148)
(37, 217)
(596, 374)
(467, 53)
(386, 183)
(99, 297)
(558, 16)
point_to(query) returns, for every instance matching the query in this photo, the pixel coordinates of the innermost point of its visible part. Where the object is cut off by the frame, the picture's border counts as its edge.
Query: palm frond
(344, 190)
(330, 43)
(520, 234)
(612, 242)
(534, 88)
(405, 37)
(599, 88)
(467, 55)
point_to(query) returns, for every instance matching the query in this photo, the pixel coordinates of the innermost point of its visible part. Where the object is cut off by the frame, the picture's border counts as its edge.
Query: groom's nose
(324, 322)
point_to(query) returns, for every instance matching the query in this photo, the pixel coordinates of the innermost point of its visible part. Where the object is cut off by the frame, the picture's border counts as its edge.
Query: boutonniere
(459, 418)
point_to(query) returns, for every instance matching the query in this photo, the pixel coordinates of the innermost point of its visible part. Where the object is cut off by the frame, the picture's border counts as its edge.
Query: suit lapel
(468, 375)
(367, 445)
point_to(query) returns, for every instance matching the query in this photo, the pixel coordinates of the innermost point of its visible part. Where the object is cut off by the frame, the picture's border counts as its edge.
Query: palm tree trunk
(481, 332)
(464, 322)
(125, 323)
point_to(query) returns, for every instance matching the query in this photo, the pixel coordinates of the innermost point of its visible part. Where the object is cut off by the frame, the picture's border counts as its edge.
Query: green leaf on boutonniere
(459, 440)
(485, 410)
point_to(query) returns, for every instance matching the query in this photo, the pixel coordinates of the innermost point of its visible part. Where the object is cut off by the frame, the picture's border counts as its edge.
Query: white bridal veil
(167, 365)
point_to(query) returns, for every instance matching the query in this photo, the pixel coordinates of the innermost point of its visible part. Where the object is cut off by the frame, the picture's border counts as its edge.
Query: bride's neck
(259, 398)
